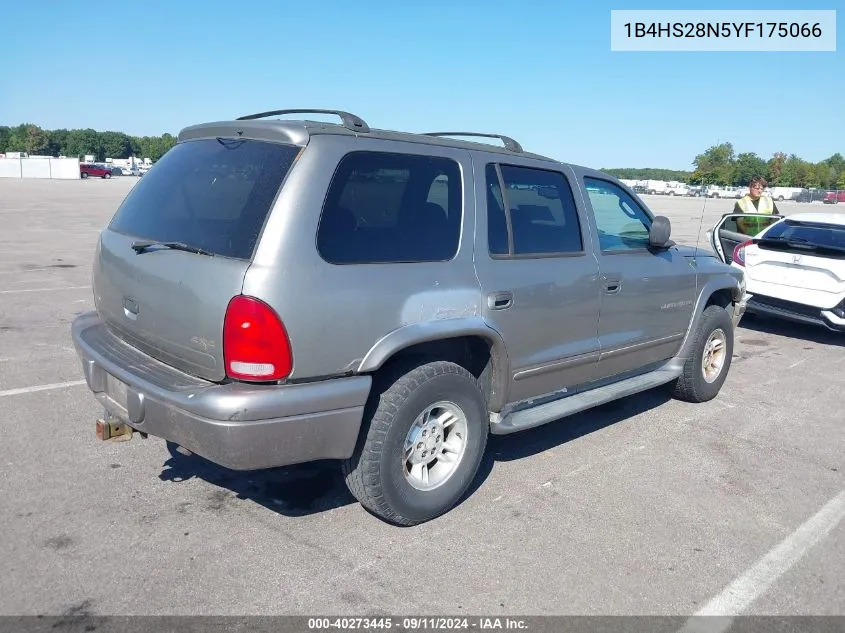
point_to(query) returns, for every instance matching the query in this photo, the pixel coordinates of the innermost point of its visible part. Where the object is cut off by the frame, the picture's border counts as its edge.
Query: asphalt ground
(644, 506)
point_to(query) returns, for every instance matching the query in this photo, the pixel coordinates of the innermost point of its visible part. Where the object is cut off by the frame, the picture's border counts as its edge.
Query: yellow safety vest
(765, 206)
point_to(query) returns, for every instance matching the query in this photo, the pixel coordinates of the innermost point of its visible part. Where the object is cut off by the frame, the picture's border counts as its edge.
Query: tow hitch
(110, 429)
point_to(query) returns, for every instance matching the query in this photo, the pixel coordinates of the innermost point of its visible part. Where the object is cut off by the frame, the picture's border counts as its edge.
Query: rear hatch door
(178, 248)
(800, 261)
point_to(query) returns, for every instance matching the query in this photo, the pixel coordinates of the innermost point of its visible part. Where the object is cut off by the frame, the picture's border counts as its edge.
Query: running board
(566, 406)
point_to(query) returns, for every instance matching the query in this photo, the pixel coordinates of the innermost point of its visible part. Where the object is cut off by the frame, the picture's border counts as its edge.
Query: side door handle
(501, 300)
(611, 285)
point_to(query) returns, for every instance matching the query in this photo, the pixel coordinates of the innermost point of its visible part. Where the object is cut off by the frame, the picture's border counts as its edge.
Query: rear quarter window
(389, 208)
(213, 194)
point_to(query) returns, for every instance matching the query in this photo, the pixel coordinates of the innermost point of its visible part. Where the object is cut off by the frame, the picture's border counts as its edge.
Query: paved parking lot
(645, 506)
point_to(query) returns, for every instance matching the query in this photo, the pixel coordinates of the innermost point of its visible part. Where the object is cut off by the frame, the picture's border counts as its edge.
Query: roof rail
(510, 144)
(350, 121)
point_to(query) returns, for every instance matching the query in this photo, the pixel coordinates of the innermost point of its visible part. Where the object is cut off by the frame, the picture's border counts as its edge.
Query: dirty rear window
(213, 194)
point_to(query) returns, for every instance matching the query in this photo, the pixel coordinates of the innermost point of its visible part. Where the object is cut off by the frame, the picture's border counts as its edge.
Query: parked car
(810, 195)
(88, 169)
(834, 197)
(794, 266)
(281, 291)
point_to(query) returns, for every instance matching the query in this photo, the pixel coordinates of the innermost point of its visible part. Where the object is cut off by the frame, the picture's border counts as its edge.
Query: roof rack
(510, 144)
(350, 121)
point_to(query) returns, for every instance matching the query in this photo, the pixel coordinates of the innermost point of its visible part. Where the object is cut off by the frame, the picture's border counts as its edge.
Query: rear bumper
(796, 312)
(239, 426)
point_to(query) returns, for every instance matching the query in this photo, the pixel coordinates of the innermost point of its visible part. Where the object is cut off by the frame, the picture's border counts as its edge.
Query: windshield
(210, 194)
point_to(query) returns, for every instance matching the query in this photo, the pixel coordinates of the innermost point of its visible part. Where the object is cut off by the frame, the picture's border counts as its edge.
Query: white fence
(48, 168)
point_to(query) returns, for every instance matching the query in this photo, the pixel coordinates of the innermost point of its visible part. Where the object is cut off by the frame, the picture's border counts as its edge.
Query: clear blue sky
(538, 70)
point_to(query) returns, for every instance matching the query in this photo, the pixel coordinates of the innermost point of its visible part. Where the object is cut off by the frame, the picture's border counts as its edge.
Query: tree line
(721, 165)
(78, 143)
(718, 165)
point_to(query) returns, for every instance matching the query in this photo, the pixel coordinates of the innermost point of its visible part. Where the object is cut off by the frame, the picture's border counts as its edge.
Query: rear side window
(531, 212)
(388, 208)
(213, 194)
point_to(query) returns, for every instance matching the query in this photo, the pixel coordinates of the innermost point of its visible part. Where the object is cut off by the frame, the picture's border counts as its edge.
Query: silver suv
(276, 291)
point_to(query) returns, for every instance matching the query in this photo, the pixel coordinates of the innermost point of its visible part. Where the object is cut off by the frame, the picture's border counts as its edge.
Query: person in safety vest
(754, 202)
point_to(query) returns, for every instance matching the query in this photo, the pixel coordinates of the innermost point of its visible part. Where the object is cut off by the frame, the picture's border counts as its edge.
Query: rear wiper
(141, 246)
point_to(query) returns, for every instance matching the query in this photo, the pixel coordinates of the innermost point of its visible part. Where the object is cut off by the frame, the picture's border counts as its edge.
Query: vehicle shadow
(764, 324)
(306, 489)
(292, 491)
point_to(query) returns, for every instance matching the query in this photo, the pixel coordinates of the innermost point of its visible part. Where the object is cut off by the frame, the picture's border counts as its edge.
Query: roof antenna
(700, 223)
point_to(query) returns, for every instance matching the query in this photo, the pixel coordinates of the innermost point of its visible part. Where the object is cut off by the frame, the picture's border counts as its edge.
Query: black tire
(83, 175)
(692, 386)
(375, 474)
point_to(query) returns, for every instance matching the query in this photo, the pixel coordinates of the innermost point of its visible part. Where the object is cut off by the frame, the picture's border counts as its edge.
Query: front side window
(621, 222)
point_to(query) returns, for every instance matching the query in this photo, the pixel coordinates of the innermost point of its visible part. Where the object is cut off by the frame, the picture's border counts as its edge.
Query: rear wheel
(425, 433)
(707, 367)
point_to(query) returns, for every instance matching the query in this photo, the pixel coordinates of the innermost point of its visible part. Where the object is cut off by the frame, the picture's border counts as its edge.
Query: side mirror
(661, 229)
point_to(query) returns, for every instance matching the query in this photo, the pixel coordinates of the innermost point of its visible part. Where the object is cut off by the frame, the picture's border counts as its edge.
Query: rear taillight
(255, 343)
(739, 252)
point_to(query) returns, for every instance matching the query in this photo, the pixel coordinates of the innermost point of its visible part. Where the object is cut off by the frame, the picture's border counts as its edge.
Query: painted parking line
(11, 292)
(33, 389)
(738, 595)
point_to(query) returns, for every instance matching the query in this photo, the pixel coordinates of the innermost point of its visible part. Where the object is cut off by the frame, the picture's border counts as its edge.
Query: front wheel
(707, 367)
(422, 443)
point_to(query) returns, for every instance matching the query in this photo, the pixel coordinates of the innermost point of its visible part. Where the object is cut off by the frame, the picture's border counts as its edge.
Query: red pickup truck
(832, 197)
(86, 170)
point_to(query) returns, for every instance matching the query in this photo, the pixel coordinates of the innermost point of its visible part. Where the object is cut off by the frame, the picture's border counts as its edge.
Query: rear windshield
(809, 232)
(212, 194)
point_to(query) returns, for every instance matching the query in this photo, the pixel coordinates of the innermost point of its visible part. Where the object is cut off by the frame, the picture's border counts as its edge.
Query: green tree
(825, 175)
(648, 173)
(776, 167)
(17, 138)
(115, 145)
(58, 142)
(748, 165)
(835, 162)
(37, 141)
(716, 165)
(796, 173)
(83, 142)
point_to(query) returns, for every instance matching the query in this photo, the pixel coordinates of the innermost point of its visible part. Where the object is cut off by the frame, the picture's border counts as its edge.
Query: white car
(794, 266)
